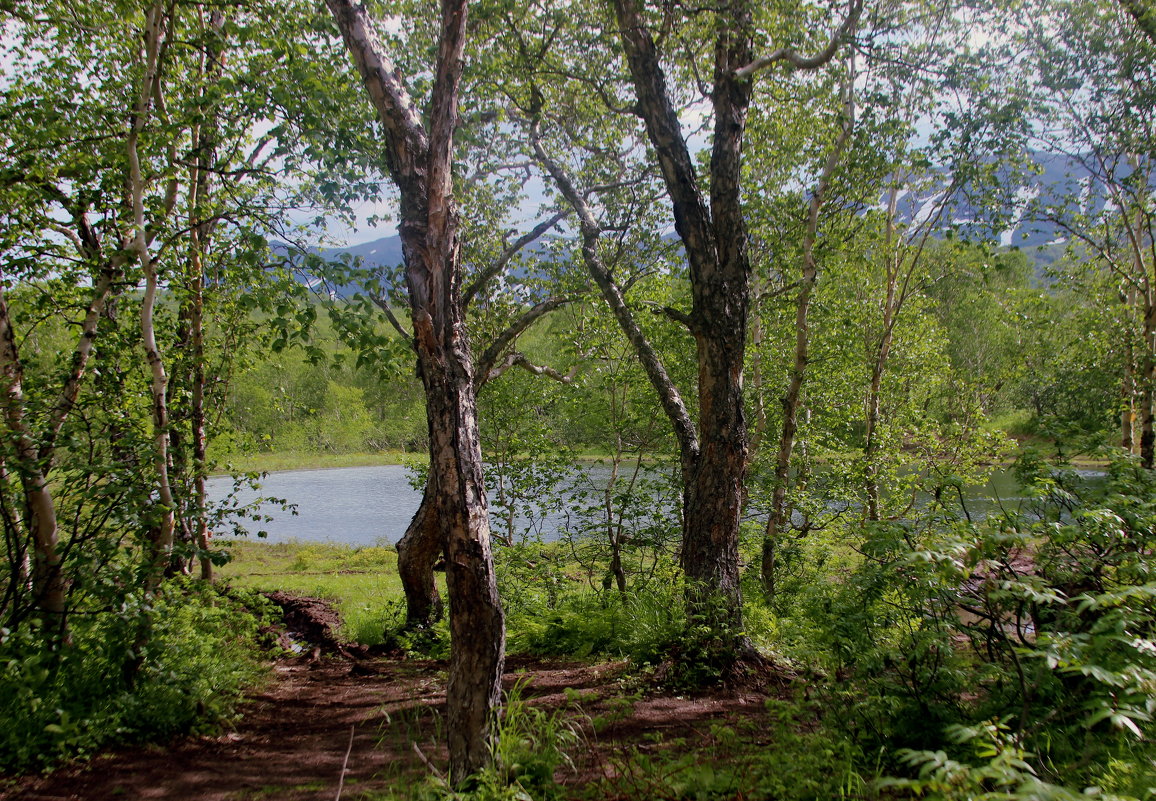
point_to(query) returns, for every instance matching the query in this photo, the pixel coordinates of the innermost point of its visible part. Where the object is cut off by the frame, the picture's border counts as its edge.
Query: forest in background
(685, 238)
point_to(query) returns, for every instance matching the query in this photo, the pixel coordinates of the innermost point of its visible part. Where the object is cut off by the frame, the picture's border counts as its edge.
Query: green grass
(299, 460)
(362, 583)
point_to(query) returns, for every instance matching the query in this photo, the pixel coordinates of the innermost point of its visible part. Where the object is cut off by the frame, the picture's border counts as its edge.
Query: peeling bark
(420, 163)
(417, 553)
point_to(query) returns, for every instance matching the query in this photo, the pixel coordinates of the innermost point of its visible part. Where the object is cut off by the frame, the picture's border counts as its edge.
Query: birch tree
(419, 160)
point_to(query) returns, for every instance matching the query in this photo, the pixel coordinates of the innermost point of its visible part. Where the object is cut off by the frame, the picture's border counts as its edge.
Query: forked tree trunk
(420, 162)
(715, 240)
(713, 453)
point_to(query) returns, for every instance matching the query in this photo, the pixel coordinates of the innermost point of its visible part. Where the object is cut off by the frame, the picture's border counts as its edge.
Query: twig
(425, 760)
(345, 764)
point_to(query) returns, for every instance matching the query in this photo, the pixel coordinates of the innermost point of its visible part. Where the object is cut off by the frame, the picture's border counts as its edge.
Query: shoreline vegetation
(290, 461)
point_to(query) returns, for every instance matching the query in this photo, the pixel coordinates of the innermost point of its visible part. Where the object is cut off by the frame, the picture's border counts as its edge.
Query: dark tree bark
(714, 237)
(417, 553)
(420, 162)
(420, 547)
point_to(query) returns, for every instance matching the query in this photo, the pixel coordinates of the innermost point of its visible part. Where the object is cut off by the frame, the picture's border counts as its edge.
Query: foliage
(70, 702)
(530, 746)
(1002, 774)
(1039, 618)
(787, 753)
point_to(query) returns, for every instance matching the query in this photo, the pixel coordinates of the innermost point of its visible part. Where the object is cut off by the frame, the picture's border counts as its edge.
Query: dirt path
(294, 736)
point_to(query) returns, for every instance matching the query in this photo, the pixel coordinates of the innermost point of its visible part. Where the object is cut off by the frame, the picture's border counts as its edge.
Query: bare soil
(380, 717)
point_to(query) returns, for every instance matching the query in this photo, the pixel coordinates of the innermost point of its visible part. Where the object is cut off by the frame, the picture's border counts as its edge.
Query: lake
(373, 505)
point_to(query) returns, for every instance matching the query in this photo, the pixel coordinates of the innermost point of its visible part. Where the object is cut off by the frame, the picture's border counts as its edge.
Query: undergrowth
(70, 700)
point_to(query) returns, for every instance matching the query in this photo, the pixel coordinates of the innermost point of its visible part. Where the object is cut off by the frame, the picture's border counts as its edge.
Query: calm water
(356, 505)
(373, 505)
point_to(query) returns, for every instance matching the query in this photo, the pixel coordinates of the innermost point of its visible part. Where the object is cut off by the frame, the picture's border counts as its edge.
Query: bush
(1040, 619)
(67, 701)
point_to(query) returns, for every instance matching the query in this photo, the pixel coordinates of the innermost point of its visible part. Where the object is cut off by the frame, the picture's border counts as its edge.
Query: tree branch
(407, 146)
(518, 360)
(808, 62)
(692, 218)
(505, 339)
(668, 394)
(383, 304)
(525, 239)
(680, 317)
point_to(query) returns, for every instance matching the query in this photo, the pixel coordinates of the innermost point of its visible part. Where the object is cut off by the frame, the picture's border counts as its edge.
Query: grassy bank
(362, 583)
(300, 460)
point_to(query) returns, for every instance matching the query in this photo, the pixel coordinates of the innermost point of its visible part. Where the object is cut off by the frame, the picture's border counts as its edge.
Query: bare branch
(518, 360)
(669, 396)
(383, 303)
(680, 317)
(525, 239)
(507, 338)
(808, 62)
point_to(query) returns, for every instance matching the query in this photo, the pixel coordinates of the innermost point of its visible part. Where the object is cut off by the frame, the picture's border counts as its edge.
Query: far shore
(291, 461)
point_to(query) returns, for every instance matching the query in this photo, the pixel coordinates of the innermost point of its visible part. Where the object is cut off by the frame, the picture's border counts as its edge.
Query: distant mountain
(1013, 221)
(384, 252)
(1020, 210)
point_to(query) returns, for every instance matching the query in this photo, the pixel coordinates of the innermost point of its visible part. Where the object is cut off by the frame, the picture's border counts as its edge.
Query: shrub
(68, 701)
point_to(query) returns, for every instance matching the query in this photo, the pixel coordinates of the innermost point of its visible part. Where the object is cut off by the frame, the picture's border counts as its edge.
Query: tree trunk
(200, 188)
(1148, 385)
(614, 527)
(48, 583)
(1128, 394)
(420, 162)
(477, 627)
(778, 517)
(417, 552)
(891, 303)
(161, 533)
(871, 446)
(713, 495)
